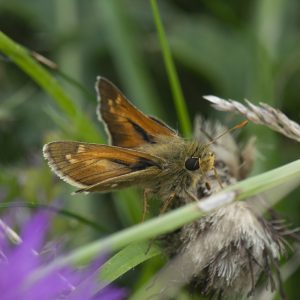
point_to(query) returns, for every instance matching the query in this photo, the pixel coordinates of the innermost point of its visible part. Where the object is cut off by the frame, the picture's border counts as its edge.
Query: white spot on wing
(58, 172)
(118, 100)
(81, 148)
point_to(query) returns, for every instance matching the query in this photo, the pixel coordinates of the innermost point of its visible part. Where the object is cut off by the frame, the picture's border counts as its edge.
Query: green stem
(21, 57)
(168, 222)
(179, 101)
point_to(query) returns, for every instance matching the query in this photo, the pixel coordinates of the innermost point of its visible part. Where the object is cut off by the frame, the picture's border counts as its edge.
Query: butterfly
(143, 151)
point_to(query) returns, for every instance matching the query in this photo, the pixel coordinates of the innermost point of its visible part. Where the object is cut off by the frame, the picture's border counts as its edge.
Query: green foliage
(126, 259)
(234, 50)
(179, 102)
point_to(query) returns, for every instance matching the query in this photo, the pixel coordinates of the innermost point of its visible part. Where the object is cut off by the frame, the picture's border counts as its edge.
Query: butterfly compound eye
(192, 164)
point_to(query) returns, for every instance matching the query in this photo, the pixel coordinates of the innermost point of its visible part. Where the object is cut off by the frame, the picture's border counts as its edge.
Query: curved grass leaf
(21, 57)
(125, 260)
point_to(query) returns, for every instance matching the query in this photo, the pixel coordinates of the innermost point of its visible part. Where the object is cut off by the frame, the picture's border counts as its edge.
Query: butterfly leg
(218, 178)
(167, 203)
(207, 184)
(145, 204)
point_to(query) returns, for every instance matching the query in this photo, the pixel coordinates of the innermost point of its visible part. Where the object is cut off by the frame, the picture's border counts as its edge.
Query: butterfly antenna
(237, 126)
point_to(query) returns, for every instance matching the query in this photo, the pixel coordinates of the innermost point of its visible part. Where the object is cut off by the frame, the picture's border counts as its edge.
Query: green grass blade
(128, 258)
(21, 57)
(181, 109)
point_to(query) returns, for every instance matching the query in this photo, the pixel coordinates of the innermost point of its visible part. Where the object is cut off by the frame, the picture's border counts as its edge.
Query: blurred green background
(233, 49)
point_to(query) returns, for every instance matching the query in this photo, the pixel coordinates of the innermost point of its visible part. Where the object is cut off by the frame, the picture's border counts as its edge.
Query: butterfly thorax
(186, 163)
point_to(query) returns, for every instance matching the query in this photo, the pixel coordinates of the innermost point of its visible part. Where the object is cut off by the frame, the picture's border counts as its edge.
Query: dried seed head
(263, 114)
(227, 252)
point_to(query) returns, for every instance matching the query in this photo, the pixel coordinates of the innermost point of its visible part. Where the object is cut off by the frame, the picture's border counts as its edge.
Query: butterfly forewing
(99, 167)
(127, 126)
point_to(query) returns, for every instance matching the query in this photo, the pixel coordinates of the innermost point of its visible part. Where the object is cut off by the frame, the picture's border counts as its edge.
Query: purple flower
(19, 262)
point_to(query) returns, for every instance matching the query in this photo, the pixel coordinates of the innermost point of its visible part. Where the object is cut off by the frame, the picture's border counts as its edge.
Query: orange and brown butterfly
(143, 151)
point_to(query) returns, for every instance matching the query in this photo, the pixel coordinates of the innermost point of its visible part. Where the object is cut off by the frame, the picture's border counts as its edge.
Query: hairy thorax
(175, 177)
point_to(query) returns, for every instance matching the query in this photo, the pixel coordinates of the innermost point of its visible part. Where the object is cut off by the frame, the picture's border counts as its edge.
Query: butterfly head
(199, 158)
